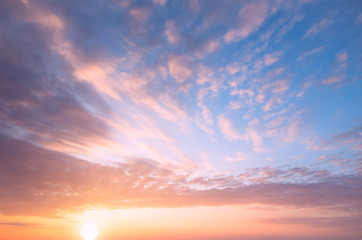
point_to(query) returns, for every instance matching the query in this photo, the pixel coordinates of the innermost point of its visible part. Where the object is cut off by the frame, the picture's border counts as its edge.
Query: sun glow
(89, 231)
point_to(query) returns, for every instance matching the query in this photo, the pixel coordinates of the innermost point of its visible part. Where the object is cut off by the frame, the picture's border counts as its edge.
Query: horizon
(192, 119)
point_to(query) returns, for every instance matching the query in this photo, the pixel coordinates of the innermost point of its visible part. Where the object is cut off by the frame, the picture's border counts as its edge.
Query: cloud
(239, 157)
(276, 122)
(227, 129)
(42, 182)
(252, 134)
(43, 108)
(57, 94)
(359, 18)
(21, 224)
(250, 18)
(286, 126)
(171, 32)
(342, 56)
(139, 13)
(234, 105)
(280, 86)
(309, 53)
(317, 27)
(242, 93)
(351, 138)
(350, 223)
(333, 79)
(290, 23)
(232, 69)
(121, 90)
(180, 68)
(342, 161)
(270, 59)
(271, 103)
(161, 2)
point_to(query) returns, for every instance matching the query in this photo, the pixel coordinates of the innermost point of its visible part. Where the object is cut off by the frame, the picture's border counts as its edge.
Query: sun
(89, 231)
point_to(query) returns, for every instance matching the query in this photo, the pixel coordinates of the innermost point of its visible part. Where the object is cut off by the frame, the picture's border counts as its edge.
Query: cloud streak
(51, 180)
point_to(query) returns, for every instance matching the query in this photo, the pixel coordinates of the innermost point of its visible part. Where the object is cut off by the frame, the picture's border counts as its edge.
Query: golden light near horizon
(89, 231)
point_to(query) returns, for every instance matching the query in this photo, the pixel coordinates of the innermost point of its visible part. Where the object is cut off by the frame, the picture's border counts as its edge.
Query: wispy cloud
(21, 224)
(239, 157)
(309, 53)
(318, 27)
(351, 137)
(359, 18)
(227, 129)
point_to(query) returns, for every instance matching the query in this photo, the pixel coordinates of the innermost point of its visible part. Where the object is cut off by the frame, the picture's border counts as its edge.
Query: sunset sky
(182, 120)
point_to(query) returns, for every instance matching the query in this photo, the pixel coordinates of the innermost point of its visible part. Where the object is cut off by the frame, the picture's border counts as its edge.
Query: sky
(165, 119)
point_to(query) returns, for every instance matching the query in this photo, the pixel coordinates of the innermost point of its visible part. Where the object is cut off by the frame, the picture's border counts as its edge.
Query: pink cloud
(233, 68)
(160, 2)
(280, 86)
(286, 127)
(68, 184)
(272, 103)
(333, 79)
(180, 68)
(346, 163)
(260, 98)
(309, 53)
(242, 93)
(317, 27)
(351, 137)
(276, 122)
(140, 14)
(212, 45)
(194, 5)
(255, 137)
(250, 18)
(239, 157)
(171, 32)
(342, 56)
(227, 129)
(270, 59)
(234, 105)
(359, 18)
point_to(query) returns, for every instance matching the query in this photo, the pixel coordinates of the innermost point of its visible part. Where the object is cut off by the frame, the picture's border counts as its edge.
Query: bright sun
(89, 231)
